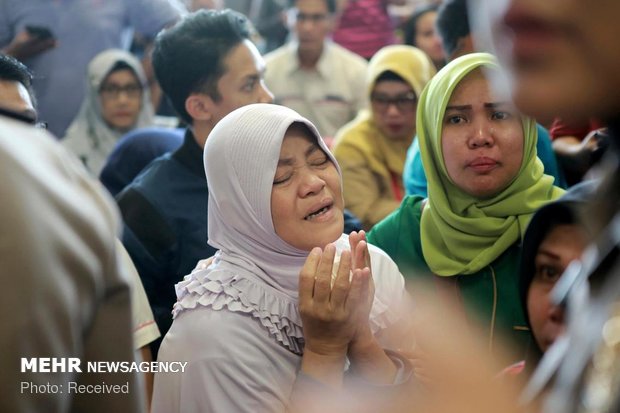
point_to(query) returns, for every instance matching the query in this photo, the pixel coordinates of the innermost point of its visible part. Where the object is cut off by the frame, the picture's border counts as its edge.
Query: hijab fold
(462, 234)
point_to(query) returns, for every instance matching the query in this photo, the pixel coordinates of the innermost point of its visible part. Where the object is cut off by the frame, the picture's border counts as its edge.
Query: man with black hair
(321, 80)
(16, 94)
(453, 26)
(208, 67)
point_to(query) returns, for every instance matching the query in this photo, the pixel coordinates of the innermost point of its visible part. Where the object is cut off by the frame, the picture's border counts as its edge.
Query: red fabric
(560, 128)
(365, 27)
(398, 193)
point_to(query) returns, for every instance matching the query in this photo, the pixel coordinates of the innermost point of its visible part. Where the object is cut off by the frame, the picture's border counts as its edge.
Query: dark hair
(389, 75)
(452, 23)
(121, 65)
(13, 70)
(411, 25)
(331, 5)
(301, 127)
(189, 57)
(563, 211)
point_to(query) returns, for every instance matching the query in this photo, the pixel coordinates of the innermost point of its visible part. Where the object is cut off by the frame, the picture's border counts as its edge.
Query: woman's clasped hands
(336, 316)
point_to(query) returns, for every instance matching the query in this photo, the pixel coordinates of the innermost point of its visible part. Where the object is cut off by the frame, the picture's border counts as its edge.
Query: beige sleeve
(144, 327)
(65, 293)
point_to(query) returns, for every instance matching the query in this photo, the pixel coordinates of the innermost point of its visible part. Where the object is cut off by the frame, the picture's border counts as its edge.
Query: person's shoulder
(282, 55)
(280, 64)
(144, 199)
(413, 202)
(354, 133)
(231, 359)
(284, 50)
(377, 253)
(410, 210)
(353, 60)
(406, 216)
(155, 174)
(230, 333)
(42, 180)
(33, 160)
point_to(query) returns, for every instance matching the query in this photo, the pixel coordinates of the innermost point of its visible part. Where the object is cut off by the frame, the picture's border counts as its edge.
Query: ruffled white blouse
(243, 340)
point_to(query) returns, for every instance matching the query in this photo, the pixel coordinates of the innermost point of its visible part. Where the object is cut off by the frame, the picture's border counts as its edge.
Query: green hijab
(461, 234)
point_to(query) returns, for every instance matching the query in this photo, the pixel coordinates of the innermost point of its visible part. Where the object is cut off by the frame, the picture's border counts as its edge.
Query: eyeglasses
(405, 102)
(114, 91)
(314, 18)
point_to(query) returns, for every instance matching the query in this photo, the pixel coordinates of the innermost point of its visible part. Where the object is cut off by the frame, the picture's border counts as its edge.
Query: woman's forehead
(295, 144)
(477, 84)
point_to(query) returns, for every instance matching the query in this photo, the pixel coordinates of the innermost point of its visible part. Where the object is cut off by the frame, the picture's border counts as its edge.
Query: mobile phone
(41, 32)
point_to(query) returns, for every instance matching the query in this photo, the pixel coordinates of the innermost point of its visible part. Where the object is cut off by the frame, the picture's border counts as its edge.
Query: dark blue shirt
(165, 214)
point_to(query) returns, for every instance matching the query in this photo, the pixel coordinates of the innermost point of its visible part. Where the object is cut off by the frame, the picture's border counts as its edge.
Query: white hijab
(255, 271)
(89, 136)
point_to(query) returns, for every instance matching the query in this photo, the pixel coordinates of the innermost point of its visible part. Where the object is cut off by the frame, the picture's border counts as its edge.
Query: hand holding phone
(40, 32)
(31, 41)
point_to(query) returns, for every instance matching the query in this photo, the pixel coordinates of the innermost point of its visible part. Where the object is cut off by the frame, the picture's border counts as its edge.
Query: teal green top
(490, 296)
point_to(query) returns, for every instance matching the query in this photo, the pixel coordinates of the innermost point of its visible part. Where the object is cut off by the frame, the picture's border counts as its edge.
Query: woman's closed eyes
(315, 159)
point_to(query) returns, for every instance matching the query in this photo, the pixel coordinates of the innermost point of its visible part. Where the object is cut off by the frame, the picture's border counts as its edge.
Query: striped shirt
(365, 27)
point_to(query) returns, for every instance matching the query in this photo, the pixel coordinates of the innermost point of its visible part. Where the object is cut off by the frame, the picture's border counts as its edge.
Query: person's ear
(199, 105)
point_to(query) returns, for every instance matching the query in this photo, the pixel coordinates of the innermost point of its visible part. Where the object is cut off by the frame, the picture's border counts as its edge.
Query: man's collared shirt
(328, 95)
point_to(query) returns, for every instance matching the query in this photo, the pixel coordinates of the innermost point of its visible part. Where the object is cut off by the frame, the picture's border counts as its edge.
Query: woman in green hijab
(484, 184)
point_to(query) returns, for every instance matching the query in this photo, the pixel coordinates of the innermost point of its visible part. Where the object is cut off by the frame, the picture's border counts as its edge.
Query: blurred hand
(598, 140)
(588, 150)
(26, 45)
(422, 369)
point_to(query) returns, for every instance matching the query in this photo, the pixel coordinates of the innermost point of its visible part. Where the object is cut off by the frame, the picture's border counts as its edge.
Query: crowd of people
(315, 205)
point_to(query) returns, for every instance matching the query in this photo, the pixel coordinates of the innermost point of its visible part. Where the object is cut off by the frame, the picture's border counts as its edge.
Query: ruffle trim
(279, 315)
(381, 316)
